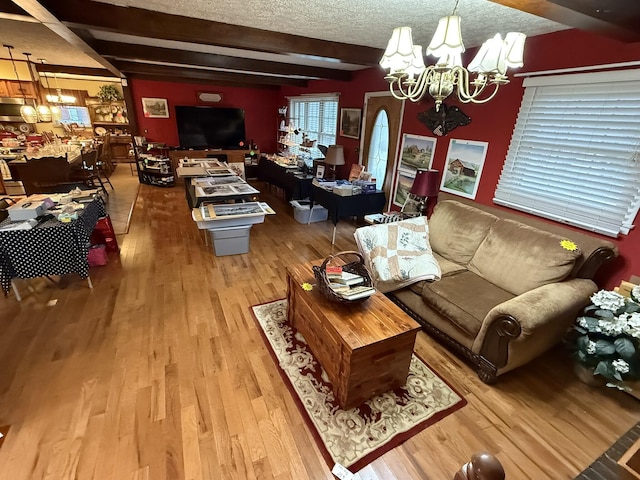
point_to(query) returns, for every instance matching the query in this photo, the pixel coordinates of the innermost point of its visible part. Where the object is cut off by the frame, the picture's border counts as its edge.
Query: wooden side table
(365, 347)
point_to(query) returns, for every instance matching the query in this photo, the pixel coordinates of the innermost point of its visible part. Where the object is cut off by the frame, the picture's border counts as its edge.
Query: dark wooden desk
(349, 206)
(295, 187)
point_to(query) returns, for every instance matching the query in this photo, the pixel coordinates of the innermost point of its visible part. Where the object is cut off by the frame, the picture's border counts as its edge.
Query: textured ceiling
(359, 22)
(367, 23)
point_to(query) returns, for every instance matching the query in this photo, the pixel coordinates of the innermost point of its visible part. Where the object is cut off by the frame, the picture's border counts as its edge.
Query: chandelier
(27, 112)
(410, 79)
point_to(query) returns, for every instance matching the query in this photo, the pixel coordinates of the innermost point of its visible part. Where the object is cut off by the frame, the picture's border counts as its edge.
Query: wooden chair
(103, 161)
(48, 175)
(89, 173)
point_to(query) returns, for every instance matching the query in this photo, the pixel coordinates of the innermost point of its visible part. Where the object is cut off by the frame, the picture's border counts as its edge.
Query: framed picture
(350, 122)
(463, 167)
(155, 107)
(416, 152)
(404, 180)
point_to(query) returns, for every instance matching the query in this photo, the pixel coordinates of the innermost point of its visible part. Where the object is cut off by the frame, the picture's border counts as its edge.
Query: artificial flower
(568, 245)
(607, 338)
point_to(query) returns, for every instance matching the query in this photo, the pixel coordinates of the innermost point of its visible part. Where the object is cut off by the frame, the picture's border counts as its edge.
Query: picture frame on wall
(463, 167)
(155, 107)
(403, 183)
(350, 122)
(417, 152)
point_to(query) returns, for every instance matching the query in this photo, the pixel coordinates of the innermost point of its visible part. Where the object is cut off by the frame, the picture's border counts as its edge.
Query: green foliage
(606, 338)
(109, 93)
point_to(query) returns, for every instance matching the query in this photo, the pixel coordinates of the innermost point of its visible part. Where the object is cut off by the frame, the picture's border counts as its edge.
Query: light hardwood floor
(160, 373)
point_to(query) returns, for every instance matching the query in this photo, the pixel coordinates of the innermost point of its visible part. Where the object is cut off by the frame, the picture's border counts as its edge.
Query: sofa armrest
(518, 330)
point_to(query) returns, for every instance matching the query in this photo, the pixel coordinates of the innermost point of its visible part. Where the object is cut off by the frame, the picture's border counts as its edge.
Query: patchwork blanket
(398, 254)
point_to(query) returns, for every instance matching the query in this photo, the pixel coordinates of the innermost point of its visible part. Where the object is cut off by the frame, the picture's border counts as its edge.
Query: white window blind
(574, 155)
(317, 118)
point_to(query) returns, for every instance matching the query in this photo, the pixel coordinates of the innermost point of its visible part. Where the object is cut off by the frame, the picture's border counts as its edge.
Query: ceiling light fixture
(28, 113)
(44, 113)
(60, 97)
(56, 111)
(410, 79)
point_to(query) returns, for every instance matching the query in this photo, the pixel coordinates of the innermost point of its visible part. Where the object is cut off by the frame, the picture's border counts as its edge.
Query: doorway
(382, 119)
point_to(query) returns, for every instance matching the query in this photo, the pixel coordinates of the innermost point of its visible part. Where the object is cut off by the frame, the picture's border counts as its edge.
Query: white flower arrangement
(608, 337)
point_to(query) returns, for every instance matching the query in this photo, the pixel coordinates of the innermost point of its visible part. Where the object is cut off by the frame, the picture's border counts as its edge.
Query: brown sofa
(508, 290)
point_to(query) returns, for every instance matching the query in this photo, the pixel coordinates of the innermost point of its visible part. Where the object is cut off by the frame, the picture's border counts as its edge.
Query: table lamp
(425, 185)
(334, 157)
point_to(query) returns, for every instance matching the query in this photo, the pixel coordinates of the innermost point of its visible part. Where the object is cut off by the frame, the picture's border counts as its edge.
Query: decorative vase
(585, 375)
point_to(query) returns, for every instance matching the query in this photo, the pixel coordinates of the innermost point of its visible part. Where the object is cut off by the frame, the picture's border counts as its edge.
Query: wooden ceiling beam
(201, 81)
(572, 16)
(62, 69)
(171, 73)
(49, 20)
(147, 23)
(124, 51)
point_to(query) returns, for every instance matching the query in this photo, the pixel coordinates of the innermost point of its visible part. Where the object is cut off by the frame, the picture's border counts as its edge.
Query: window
(316, 118)
(574, 156)
(378, 149)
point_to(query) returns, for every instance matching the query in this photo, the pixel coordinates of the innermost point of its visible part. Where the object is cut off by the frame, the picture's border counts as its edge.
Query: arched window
(378, 148)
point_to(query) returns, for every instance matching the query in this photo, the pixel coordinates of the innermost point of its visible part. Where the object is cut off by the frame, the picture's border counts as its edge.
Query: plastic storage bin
(230, 240)
(301, 212)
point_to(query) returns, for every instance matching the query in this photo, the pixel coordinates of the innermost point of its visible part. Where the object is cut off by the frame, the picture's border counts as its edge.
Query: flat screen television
(210, 127)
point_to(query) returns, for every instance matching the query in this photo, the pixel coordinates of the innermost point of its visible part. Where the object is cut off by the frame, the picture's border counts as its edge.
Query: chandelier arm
(476, 100)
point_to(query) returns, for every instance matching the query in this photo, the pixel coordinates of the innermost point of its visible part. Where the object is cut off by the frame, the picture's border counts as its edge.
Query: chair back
(44, 175)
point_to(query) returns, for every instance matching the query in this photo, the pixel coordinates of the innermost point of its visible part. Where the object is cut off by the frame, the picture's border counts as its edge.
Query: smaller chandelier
(409, 78)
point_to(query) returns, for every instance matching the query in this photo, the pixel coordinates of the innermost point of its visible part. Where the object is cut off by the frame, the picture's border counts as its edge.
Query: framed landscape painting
(350, 122)
(463, 167)
(416, 152)
(155, 107)
(404, 181)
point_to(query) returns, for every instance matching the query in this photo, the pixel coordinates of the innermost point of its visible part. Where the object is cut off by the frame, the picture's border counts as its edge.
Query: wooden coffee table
(365, 347)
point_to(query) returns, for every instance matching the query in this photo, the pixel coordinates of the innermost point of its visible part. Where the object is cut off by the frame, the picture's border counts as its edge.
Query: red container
(103, 234)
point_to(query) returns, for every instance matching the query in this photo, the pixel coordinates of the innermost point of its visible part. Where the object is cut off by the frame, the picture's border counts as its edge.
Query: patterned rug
(357, 436)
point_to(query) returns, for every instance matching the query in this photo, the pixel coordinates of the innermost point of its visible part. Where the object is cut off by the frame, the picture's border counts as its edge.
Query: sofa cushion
(465, 299)
(519, 258)
(447, 267)
(456, 230)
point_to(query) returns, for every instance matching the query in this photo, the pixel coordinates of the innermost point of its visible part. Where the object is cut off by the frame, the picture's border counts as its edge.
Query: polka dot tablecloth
(50, 248)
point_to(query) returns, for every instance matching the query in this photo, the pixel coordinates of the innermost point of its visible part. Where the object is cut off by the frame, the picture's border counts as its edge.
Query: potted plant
(607, 340)
(108, 93)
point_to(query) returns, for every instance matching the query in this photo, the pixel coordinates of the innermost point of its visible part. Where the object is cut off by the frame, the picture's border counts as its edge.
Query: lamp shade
(425, 184)
(335, 155)
(399, 53)
(448, 39)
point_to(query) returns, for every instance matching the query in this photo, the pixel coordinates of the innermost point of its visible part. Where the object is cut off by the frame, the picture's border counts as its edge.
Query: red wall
(260, 106)
(492, 122)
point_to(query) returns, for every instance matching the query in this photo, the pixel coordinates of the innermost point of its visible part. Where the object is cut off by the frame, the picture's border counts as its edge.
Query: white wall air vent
(209, 97)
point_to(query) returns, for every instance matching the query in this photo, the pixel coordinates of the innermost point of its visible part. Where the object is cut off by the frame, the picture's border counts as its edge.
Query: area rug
(355, 437)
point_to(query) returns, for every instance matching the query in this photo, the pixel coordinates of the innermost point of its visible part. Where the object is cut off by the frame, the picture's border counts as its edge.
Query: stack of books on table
(348, 285)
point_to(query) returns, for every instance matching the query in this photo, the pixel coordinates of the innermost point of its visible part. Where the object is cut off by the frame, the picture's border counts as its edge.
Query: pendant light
(56, 111)
(27, 112)
(44, 113)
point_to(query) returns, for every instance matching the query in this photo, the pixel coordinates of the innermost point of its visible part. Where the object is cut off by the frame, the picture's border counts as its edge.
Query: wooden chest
(365, 348)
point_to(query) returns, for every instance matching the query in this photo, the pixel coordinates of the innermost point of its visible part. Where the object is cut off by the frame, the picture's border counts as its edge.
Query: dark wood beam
(570, 16)
(147, 23)
(171, 73)
(49, 20)
(198, 81)
(60, 69)
(124, 51)
(8, 7)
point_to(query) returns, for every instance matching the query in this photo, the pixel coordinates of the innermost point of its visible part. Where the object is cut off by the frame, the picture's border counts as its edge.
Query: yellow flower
(307, 287)
(568, 245)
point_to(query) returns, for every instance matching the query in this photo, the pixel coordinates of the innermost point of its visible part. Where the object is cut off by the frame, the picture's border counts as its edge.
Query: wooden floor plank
(160, 372)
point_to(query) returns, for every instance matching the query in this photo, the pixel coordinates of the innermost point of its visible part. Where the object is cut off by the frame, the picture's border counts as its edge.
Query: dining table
(49, 248)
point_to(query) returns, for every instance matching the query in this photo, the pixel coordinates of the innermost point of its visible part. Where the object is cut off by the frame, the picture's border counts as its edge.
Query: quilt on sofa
(398, 254)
